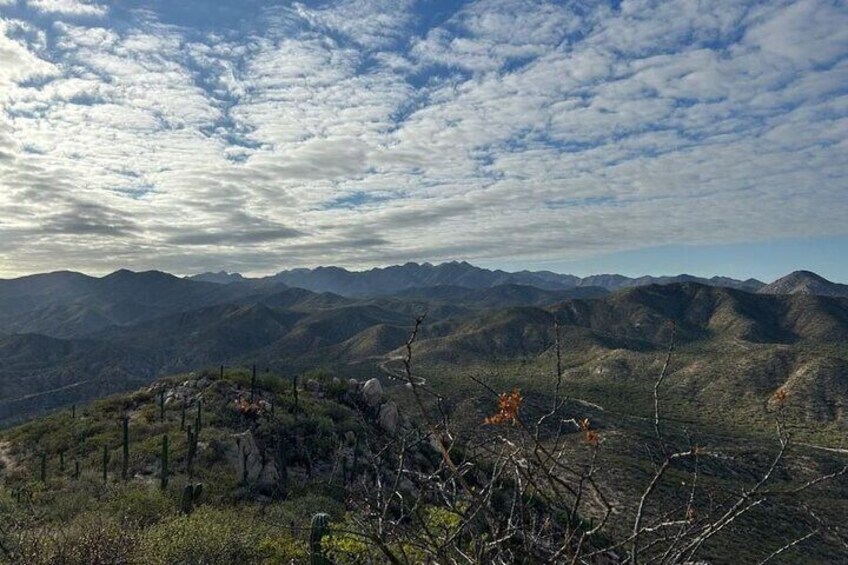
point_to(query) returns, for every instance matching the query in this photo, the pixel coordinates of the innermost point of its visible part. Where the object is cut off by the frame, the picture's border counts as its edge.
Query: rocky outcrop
(251, 465)
(388, 417)
(372, 392)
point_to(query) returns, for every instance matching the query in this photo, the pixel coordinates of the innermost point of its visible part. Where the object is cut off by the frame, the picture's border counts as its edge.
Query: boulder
(245, 457)
(372, 392)
(389, 417)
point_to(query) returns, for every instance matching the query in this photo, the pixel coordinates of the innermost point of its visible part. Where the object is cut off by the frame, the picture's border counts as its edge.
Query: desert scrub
(206, 537)
(90, 539)
(139, 505)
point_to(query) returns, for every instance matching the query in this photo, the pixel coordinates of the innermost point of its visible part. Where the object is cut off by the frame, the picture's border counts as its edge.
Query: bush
(138, 506)
(90, 539)
(206, 537)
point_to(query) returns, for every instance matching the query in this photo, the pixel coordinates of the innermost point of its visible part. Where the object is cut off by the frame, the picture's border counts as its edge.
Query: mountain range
(67, 338)
(398, 278)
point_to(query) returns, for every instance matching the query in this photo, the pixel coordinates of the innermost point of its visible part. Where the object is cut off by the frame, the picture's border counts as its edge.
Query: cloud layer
(258, 136)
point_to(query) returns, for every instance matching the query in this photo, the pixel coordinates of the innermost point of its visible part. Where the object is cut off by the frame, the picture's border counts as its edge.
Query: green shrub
(90, 539)
(139, 505)
(206, 537)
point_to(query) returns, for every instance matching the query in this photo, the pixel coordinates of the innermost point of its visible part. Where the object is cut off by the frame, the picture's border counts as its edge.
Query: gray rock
(389, 417)
(372, 392)
(244, 454)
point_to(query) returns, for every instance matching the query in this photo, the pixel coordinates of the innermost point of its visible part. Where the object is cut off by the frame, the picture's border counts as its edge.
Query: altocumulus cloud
(260, 135)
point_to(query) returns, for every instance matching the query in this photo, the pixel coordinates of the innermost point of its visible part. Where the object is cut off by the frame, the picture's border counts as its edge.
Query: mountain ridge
(398, 278)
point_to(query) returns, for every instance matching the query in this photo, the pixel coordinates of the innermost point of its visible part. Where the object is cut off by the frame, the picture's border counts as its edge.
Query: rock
(372, 392)
(203, 382)
(312, 385)
(389, 417)
(244, 455)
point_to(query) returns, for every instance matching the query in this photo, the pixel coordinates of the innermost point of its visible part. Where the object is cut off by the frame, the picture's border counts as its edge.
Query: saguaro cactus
(192, 450)
(253, 385)
(73, 410)
(125, 453)
(76, 470)
(163, 476)
(320, 523)
(191, 494)
(198, 420)
(61, 461)
(162, 405)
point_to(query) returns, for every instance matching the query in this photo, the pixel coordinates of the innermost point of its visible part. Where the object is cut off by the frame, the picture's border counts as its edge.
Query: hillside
(805, 282)
(217, 468)
(291, 329)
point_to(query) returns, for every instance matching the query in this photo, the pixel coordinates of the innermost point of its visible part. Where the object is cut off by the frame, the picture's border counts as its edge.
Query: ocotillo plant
(43, 475)
(105, 462)
(320, 524)
(163, 478)
(125, 453)
(191, 494)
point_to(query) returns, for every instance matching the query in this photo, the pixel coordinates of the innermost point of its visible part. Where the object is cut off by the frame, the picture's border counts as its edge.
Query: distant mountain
(616, 282)
(70, 305)
(398, 278)
(221, 277)
(126, 328)
(500, 296)
(805, 282)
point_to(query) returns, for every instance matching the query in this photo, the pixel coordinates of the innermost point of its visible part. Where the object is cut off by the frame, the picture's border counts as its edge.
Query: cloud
(69, 7)
(362, 132)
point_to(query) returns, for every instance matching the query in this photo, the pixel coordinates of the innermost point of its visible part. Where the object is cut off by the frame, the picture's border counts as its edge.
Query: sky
(642, 137)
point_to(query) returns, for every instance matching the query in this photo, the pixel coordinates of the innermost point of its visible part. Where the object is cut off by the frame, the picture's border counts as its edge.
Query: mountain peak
(805, 282)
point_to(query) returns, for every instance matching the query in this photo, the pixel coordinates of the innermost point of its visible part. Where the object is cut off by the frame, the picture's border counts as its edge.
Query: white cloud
(69, 7)
(368, 132)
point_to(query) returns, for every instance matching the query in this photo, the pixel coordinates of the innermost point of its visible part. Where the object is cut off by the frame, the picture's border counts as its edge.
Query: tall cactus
(198, 420)
(163, 476)
(76, 470)
(125, 452)
(191, 494)
(192, 450)
(161, 404)
(320, 524)
(73, 410)
(62, 461)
